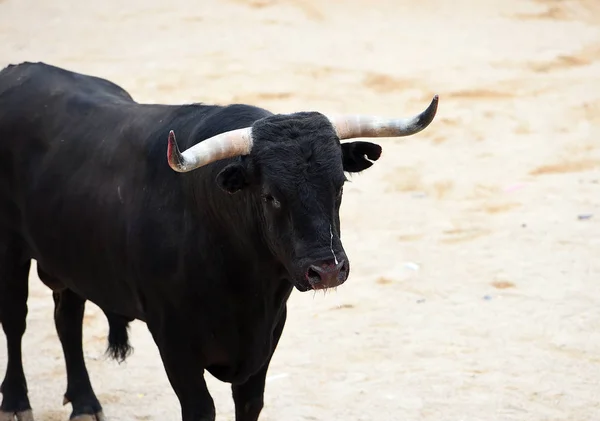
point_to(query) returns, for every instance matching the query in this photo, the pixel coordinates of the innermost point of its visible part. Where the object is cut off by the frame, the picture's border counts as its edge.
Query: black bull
(207, 258)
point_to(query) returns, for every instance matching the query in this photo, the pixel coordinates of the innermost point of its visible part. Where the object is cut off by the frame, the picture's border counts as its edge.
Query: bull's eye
(271, 201)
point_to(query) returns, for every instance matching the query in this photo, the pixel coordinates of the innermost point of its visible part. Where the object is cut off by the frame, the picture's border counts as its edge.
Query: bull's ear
(353, 155)
(233, 178)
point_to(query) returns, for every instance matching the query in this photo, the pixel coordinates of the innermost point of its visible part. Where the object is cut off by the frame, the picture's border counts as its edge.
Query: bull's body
(86, 191)
(95, 203)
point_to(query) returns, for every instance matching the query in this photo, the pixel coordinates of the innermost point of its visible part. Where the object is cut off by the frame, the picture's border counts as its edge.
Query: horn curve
(224, 145)
(356, 125)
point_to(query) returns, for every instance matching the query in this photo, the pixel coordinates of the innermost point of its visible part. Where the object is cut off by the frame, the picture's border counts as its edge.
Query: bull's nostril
(342, 270)
(343, 274)
(313, 275)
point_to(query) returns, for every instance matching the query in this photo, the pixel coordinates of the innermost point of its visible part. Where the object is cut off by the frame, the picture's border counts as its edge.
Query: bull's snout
(327, 274)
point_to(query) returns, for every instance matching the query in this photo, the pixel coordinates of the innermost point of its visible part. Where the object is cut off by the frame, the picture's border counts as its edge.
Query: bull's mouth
(303, 286)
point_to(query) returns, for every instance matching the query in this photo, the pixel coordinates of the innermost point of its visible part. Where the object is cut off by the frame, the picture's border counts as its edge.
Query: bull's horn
(225, 145)
(352, 126)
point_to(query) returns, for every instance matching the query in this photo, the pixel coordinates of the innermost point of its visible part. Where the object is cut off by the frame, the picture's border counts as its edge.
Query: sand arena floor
(475, 263)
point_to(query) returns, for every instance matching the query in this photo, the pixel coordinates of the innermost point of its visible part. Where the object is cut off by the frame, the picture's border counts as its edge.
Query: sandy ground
(474, 290)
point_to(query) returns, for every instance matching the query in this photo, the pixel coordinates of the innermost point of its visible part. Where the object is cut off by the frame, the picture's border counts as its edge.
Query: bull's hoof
(16, 416)
(87, 417)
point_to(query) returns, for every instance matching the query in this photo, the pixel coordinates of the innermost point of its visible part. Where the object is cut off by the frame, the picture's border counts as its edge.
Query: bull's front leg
(249, 396)
(184, 370)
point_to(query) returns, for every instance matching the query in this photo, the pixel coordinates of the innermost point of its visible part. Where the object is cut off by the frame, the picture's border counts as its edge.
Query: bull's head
(294, 165)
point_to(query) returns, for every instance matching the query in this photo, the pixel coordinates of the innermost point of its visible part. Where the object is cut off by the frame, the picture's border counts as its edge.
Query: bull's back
(42, 106)
(46, 81)
(53, 121)
(45, 96)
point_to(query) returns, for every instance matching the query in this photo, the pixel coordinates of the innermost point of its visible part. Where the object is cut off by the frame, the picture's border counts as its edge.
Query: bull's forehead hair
(302, 144)
(302, 125)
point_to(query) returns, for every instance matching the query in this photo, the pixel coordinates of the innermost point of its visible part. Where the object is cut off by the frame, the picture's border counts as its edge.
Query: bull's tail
(118, 337)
